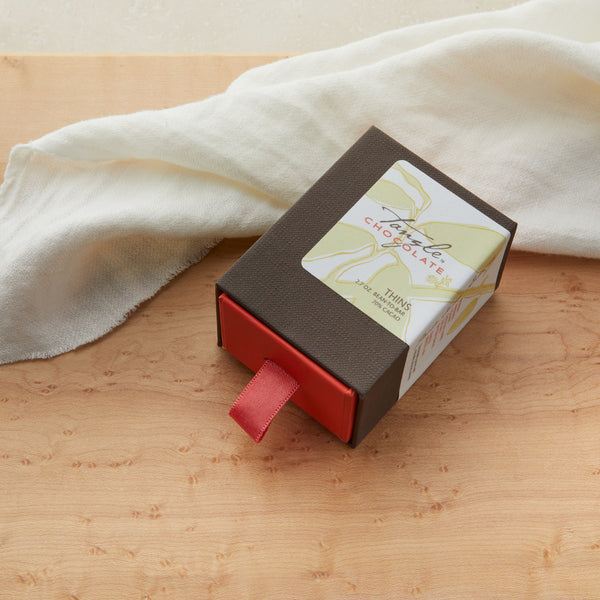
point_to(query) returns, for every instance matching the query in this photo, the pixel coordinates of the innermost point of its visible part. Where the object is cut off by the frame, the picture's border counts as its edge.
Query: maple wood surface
(122, 475)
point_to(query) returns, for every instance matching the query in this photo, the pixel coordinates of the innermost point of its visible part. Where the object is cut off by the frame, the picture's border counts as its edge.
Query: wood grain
(122, 476)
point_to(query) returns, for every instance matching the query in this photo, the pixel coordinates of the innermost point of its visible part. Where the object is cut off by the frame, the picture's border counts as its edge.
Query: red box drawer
(321, 395)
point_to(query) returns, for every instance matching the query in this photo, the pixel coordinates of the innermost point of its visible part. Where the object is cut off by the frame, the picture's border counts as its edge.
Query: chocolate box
(362, 283)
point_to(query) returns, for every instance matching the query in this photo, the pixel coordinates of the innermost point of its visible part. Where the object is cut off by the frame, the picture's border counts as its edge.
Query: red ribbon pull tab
(262, 399)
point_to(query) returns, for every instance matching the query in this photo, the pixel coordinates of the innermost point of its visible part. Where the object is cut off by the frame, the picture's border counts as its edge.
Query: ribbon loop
(262, 399)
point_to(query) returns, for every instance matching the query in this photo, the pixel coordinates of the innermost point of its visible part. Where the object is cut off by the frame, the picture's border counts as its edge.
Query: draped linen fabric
(97, 216)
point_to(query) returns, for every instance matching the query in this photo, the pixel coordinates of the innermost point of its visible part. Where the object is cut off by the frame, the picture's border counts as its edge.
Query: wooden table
(122, 476)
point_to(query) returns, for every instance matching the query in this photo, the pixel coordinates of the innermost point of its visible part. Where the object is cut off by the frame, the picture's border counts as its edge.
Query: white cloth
(96, 217)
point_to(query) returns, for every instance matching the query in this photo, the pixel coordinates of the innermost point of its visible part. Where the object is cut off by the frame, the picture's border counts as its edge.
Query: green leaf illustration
(472, 245)
(416, 184)
(390, 194)
(341, 240)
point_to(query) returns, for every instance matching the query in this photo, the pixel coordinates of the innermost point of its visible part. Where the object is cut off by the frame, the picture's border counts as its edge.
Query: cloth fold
(97, 216)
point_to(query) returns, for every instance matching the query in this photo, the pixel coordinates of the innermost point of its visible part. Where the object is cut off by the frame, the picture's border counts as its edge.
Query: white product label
(414, 257)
